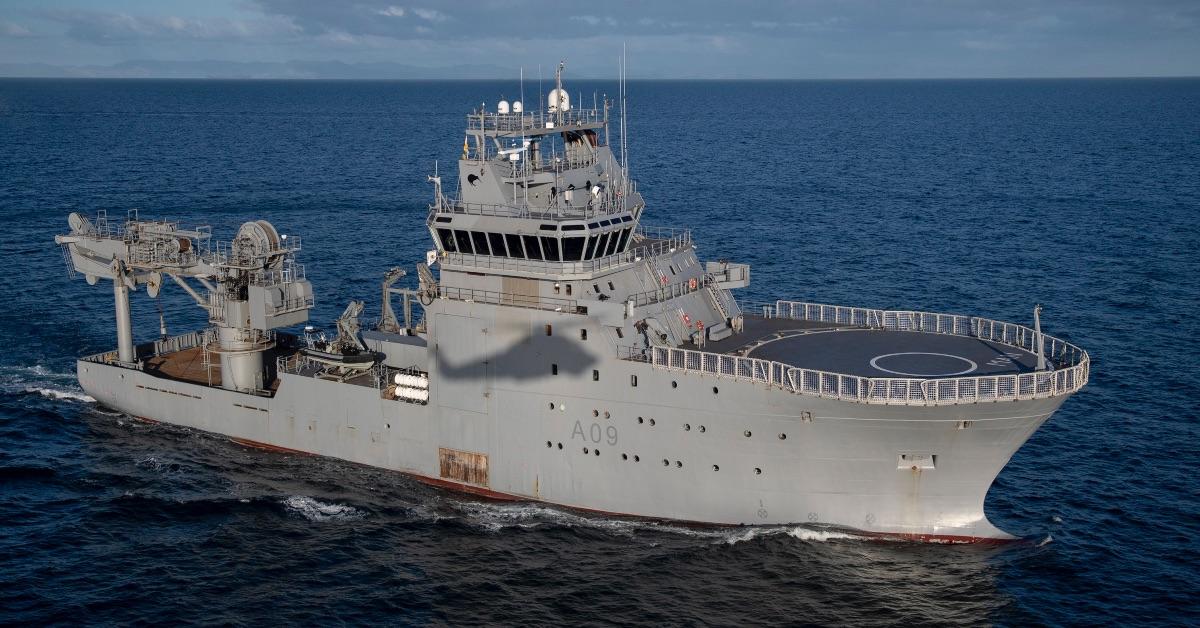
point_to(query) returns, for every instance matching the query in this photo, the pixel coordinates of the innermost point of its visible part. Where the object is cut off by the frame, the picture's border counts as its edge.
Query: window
(447, 238)
(620, 333)
(583, 334)
(557, 288)
(596, 287)
(514, 245)
(595, 376)
(611, 286)
(573, 249)
(550, 248)
(554, 369)
(549, 330)
(481, 243)
(568, 289)
(672, 268)
(601, 245)
(463, 239)
(589, 247)
(532, 249)
(614, 238)
(633, 380)
(497, 242)
(624, 239)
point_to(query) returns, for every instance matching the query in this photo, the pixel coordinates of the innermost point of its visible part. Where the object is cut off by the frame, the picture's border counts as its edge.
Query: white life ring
(692, 283)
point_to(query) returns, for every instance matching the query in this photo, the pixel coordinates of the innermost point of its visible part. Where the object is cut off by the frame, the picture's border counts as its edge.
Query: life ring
(687, 320)
(664, 280)
(692, 283)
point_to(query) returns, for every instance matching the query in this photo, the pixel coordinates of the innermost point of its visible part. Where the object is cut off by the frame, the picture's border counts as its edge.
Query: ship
(553, 348)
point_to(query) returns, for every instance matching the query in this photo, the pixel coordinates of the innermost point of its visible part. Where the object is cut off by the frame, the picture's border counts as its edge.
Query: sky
(795, 39)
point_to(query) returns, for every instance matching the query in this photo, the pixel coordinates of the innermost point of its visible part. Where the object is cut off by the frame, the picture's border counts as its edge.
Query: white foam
(801, 533)
(54, 393)
(315, 510)
(1045, 541)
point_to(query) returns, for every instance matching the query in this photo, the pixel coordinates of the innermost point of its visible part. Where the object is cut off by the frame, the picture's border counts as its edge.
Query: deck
(865, 352)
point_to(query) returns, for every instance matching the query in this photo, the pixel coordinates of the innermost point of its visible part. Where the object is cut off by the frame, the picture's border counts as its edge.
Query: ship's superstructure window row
(556, 248)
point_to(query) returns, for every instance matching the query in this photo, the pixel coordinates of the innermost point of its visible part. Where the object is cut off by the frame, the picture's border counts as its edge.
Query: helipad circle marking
(875, 364)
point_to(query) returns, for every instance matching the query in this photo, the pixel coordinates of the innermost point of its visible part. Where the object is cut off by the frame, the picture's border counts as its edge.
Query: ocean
(976, 197)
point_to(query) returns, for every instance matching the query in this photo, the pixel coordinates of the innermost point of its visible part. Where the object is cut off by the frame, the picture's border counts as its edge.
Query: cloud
(117, 28)
(391, 11)
(9, 29)
(430, 15)
(592, 20)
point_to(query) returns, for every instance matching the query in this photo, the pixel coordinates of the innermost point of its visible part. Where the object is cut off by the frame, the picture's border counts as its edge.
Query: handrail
(509, 298)
(1069, 375)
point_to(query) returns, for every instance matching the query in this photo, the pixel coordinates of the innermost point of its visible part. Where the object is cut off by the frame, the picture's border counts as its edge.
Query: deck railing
(1070, 363)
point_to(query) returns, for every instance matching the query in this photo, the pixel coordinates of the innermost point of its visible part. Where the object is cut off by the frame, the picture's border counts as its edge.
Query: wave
(494, 517)
(316, 510)
(55, 393)
(40, 380)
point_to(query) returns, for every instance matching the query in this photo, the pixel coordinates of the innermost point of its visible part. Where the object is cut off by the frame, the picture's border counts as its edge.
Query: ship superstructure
(556, 349)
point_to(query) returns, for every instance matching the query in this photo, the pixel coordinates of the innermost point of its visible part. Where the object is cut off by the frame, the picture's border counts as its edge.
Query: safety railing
(593, 207)
(508, 298)
(1070, 364)
(534, 121)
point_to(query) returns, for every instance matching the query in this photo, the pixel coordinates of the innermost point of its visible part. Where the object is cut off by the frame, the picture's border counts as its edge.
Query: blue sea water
(980, 197)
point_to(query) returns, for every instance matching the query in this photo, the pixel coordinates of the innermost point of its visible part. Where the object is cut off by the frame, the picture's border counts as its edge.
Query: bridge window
(572, 249)
(514, 245)
(463, 239)
(624, 238)
(481, 244)
(497, 242)
(589, 247)
(601, 245)
(550, 248)
(554, 369)
(583, 334)
(447, 239)
(532, 249)
(613, 238)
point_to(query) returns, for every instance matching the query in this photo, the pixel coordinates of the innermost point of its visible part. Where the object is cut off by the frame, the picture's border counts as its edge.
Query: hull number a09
(595, 433)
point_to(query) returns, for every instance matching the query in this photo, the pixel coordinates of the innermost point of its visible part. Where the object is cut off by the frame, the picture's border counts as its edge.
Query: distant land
(253, 70)
(217, 69)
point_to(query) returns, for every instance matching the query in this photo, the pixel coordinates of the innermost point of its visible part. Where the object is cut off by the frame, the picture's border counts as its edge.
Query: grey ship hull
(568, 354)
(678, 445)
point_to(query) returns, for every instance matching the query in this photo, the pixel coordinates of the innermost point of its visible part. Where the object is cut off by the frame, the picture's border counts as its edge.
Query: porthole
(611, 286)
(595, 413)
(596, 451)
(716, 468)
(641, 420)
(607, 415)
(746, 433)
(702, 429)
(551, 405)
(757, 471)
(687, 427)
(554, 369)
(560, 445)
(666, 463)
(389, 426)
(782, 436)
(633, 380)
(678, 464)
(624, 456)
(583, 334)
(715, 391)
(674, 384)
(585, 450)
(637, 458)
(651, 422)
(595, 376)
(549, 444)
